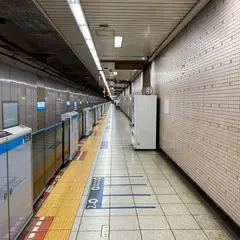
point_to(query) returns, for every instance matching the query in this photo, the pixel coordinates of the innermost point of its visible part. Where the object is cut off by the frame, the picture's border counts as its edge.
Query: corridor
(134, 195)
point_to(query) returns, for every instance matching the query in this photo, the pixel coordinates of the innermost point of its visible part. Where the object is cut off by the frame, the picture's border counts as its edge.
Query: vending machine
(16, 191)
(144, 119)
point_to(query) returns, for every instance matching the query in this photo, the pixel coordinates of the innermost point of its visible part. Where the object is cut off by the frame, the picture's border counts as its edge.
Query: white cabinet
(87, 121)
(16, 194)
(144, 118)
(74, 131)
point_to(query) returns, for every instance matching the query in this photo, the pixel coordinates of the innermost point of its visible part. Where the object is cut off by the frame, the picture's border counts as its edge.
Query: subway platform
(113, 192)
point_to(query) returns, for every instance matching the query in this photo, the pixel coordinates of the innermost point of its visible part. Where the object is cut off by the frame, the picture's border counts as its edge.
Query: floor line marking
(108, 185)
(125, 195)
(123, 176)
(129, 207)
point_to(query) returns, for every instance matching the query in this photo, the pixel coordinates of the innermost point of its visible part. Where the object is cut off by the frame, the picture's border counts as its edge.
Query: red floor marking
(77, 157)
(83, 155)
(39, 228)
(36, 236)
(45, 225)
(44, 218)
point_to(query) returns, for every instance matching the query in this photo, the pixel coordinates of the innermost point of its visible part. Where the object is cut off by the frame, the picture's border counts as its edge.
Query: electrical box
(87, 121)
(16, 192)
(74, 132)
(144, 119)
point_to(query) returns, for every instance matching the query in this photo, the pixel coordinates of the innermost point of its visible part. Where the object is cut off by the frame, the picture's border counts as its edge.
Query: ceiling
(25, 32)
(47, 29)
(143, 24)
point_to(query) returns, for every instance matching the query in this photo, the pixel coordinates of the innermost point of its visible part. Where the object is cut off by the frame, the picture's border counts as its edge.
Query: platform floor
(130, 195)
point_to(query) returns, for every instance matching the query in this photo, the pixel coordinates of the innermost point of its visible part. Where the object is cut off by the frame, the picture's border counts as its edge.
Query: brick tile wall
(199, 73)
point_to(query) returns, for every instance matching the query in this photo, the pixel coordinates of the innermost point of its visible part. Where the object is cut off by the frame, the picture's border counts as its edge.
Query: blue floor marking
(123, 176)
(125, 185)
(129, 207)
(126, 195)
(96, 193)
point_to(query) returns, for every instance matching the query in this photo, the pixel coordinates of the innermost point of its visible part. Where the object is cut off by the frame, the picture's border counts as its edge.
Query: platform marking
(127, 195)
(128, 184)
(96, 193)
(123, 176)
(130, 207)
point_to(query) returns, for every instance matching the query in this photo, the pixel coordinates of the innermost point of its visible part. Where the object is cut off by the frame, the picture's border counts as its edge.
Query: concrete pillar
(146, 76)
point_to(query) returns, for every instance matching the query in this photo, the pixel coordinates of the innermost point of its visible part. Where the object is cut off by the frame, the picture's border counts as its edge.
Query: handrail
(47, 128)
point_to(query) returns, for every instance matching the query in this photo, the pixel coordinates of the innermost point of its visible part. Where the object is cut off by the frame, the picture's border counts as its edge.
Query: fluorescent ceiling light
(86, 33)
(115, 73)
(78, 14)
(90, 44)
(99, 67)
(143, 58)
(94, 53)
(118, 41)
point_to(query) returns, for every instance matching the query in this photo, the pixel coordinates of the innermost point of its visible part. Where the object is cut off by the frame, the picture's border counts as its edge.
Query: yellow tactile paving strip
(64, 199)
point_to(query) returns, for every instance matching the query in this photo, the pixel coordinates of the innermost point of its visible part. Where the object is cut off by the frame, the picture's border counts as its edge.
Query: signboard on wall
(75, 106)
(41, 106)
(68, 104)
(166, 106)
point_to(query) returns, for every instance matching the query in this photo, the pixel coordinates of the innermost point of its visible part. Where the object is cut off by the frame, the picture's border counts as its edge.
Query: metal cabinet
(16, 201)
(80, 120)
(66, 140)
(3, 192)
(87, 121)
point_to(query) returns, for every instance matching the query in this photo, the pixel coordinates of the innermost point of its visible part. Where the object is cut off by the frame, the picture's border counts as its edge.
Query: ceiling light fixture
(134, 70)
(143, 58)
(79, 16)
(115, 73)
(118, 41)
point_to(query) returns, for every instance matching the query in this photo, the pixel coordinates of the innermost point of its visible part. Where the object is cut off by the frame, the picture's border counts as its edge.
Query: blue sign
(75, 106)
(96, 193)
(41, 106)
(68, 104)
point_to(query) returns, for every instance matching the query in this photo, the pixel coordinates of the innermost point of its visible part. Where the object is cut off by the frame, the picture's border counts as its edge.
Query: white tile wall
(199, 72)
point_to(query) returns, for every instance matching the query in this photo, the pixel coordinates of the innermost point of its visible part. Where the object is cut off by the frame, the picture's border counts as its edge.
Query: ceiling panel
(28, 34)
(143, 24)
(60, 16)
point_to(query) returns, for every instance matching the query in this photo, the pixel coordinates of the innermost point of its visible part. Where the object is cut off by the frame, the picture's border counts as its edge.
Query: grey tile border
(125, 235)
(157, 235)
(189, 235)
(182, 222)
(124, 223)
(153, 222)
